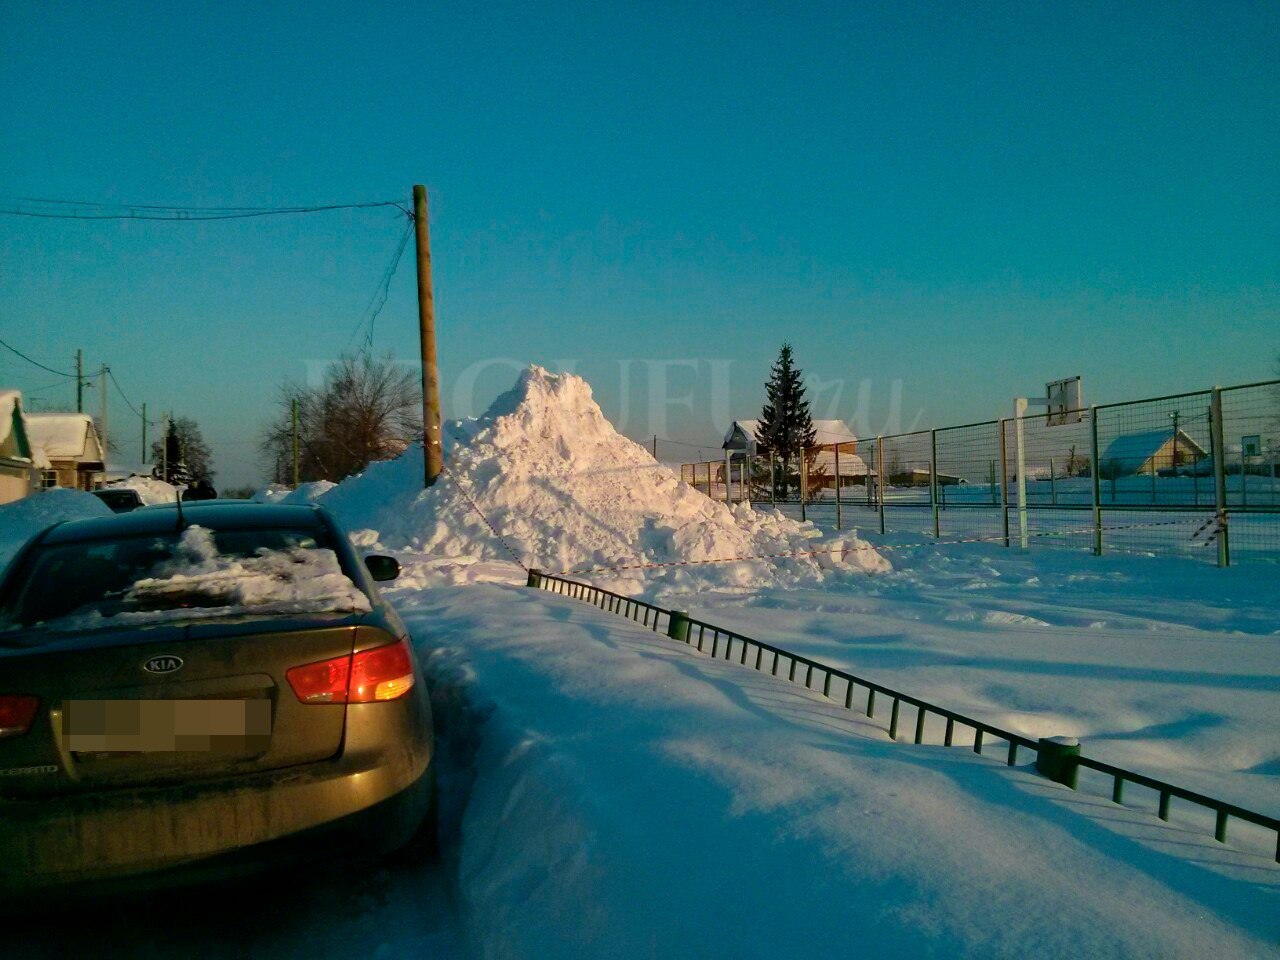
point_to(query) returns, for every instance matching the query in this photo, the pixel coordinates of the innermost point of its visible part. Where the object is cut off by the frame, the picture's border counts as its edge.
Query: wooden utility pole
(102, 394)
(294, 411)
(79, 381)
(432, 453)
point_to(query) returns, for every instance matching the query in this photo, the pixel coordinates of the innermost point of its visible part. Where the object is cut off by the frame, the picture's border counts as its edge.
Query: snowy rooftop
(64, 436)
(1137, 448)
(851, 465)
(825, 432)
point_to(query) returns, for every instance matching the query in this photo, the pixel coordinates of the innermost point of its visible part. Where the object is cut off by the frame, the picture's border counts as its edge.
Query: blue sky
(964, 201)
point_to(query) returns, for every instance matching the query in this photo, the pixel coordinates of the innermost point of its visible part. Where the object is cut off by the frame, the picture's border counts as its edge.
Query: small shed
(1149, 452)
(70, 445)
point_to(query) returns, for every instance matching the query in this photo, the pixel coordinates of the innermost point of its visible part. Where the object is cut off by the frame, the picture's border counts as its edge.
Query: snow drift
(282, 493)
(568, 493)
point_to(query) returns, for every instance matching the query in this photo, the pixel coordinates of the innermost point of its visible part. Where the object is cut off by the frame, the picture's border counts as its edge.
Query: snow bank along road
(1163, 666)
(629, 798)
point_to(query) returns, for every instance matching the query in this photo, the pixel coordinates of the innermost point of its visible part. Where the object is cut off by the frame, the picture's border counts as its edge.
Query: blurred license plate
(166, 726)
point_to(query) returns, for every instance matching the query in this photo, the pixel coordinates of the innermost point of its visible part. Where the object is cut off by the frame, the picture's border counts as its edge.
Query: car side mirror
(382, 568)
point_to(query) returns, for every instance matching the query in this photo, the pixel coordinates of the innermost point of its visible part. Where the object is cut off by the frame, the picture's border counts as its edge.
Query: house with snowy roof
(833, 441)
(1149, 451)
(17, 461)
(69, 444)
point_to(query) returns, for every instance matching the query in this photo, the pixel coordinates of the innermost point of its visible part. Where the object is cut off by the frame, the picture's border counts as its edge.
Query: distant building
(919, 477)
(740, 441)
(1149, 452)
(69, 445)
(17, 460)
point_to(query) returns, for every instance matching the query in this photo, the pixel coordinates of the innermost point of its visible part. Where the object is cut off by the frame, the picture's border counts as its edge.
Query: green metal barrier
(1058, 759)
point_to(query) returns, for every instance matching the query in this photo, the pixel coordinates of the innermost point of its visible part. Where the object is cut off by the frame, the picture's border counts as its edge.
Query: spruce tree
(786, 427)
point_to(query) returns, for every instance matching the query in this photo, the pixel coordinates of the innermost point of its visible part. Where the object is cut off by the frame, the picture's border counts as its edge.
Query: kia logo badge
(164, 664)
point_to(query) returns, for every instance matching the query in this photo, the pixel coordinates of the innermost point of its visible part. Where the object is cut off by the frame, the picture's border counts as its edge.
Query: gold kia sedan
(196, 690)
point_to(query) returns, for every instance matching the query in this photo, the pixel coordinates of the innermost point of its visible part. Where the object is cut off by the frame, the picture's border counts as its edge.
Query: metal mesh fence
(1195, 475)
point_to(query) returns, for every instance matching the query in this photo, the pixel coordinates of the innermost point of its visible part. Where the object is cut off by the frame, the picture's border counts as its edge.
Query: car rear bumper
(360, 802)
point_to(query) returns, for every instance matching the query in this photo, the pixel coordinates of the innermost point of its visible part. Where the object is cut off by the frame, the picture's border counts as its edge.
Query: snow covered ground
(1165, 666)
(630, 798)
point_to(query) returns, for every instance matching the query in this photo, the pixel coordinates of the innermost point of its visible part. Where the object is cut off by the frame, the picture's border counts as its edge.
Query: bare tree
(365, 409)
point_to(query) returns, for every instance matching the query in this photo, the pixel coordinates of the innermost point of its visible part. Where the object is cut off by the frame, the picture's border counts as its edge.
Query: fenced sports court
(1192, 474)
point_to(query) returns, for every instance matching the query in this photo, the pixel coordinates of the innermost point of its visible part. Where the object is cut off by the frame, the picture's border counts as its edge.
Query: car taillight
(16, 714)
(383, 673)
(323, 682)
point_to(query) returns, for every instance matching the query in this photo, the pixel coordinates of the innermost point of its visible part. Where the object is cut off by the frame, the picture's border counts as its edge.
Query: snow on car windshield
(198, 574)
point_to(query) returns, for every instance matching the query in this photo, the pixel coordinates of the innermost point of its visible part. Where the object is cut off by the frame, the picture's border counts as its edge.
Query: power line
(10, 347)
(120, 390)
(383, 290)
(182, 214)
(121, 205)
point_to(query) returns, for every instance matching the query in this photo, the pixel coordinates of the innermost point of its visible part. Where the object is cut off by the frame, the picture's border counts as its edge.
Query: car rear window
(190, 574)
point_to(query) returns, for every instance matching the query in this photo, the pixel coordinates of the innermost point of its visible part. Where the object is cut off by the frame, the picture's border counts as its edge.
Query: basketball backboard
(1065, 401)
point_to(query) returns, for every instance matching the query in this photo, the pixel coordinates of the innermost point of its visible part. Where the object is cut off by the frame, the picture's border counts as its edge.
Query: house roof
(851, 465)
(1135, 449)
(64, 436)
(825, 432)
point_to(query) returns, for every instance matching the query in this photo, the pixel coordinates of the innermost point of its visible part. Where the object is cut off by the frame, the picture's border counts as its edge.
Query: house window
(48, 479)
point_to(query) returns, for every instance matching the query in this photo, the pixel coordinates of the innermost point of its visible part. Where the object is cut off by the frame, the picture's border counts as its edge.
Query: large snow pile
(23, 519)
(568, 493)
(150, 490)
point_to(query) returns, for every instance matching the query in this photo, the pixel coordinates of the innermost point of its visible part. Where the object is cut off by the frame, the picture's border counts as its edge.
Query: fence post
(1095, 484)
(773, 481)
(933, 480)
(804, 485)
(1019, 414)
(1053, 485)
(535, 578)
(748, 477)
(678, 625)
(880, 479)
(1056, 759)
(728, 482)
(1004, 482)
(839, 518)
(1219, 475)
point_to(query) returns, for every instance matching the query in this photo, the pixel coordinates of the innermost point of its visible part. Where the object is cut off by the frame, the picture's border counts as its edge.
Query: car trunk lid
(126, 708)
